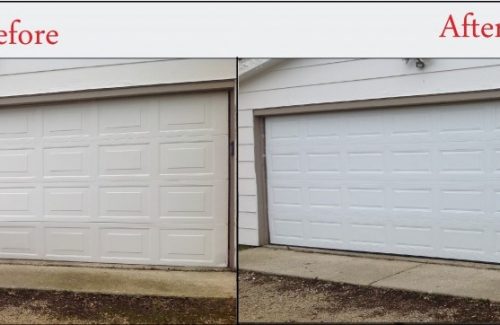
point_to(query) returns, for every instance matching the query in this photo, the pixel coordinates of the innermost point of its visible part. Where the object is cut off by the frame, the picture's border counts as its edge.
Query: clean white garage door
(139, 180)
(416, 181)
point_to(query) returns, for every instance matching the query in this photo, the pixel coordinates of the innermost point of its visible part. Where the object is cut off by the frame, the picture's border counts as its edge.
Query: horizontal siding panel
(301, 63)
(247, 203)
(248, 237)
(434, 83)
(245, 118)
(126, 75)
(18, 66)
(245, 135)
(247, 187)
(246, 153)
(348, 71)
(248, 220)
(246, 170)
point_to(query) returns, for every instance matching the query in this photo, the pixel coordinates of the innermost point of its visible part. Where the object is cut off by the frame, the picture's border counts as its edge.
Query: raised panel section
(186, 158)
(325, 197)
(124, 202)
(186, 201)
(67, 202)
(186, 246)
(15, 123)
(18, 241)
(365, 198)
(462, 200)
(412, 199)
(125, 244)
(285, 162)
(72, 242)
(185, 113)
(124, 116)
(17, 163)
(66, 120)
(462, 161)
(66, 162)
(124, 160)
(411, 162)
(371, 162)
(18, 202)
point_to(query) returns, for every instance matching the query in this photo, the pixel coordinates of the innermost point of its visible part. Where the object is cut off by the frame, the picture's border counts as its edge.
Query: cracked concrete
(464, 281)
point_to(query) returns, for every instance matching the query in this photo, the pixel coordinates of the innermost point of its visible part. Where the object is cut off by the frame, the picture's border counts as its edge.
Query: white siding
(45, 76)
(17, 66)
(311, 81)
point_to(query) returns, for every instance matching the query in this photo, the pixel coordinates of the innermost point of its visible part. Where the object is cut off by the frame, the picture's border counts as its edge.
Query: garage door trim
(259, 117)
(140, 91)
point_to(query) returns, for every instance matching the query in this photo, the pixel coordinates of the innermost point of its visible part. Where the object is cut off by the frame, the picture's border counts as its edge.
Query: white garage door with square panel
(421, 181)
(139, 180)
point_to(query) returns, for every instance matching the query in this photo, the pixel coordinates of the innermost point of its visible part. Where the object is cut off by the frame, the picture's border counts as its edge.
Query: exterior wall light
(419, 63)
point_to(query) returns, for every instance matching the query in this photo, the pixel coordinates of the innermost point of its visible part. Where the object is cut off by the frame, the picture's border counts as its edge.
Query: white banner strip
(249, 30)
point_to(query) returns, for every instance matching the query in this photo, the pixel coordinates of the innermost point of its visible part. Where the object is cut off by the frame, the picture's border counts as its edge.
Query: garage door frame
(140, 91)
(259, 117)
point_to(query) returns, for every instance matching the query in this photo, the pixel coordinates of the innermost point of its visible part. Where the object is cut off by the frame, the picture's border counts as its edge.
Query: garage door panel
(67, 120)
(191, 204)
(128, 244)
(193, 160)
(459, 123)
(413, 160)
(324, 162)
(120, 116)
(125, 203)
(17, 124)
(68, 203)
(417, 181)
(326, 232)
(19, 239)
(129, 160)
(73, 161)
(73, 243)
(462, 160)
(285, 228)
(96, 180)
(415, 200)
(20, 203)
(414, 237)
(17, 163)
(200, 112)
(325, 197)
(188, 246)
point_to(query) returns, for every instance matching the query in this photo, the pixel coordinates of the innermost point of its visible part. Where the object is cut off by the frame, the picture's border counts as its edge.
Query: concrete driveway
(167, 283)
(472, 281)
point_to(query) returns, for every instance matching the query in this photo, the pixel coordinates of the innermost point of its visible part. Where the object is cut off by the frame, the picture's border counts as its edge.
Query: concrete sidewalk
(464, 281)
(206, 284)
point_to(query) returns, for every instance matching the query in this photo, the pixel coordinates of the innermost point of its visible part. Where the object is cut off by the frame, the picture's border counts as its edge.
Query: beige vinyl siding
(44, 78)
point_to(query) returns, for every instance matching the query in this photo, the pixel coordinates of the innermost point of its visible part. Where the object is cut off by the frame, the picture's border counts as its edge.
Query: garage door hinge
(231, 148)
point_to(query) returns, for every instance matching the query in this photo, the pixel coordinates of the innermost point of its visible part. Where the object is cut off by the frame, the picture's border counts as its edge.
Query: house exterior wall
(20, 77)
(314, 81)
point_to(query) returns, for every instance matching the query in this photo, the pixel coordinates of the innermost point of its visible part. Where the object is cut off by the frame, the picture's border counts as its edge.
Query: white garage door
(416, 181)
(139, 180)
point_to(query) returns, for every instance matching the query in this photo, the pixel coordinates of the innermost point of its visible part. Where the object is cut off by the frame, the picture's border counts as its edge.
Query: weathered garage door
(139, 180)
(417, 181)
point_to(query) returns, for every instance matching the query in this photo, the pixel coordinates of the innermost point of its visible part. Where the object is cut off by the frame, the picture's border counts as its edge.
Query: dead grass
(53, 307)
(271, 298)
